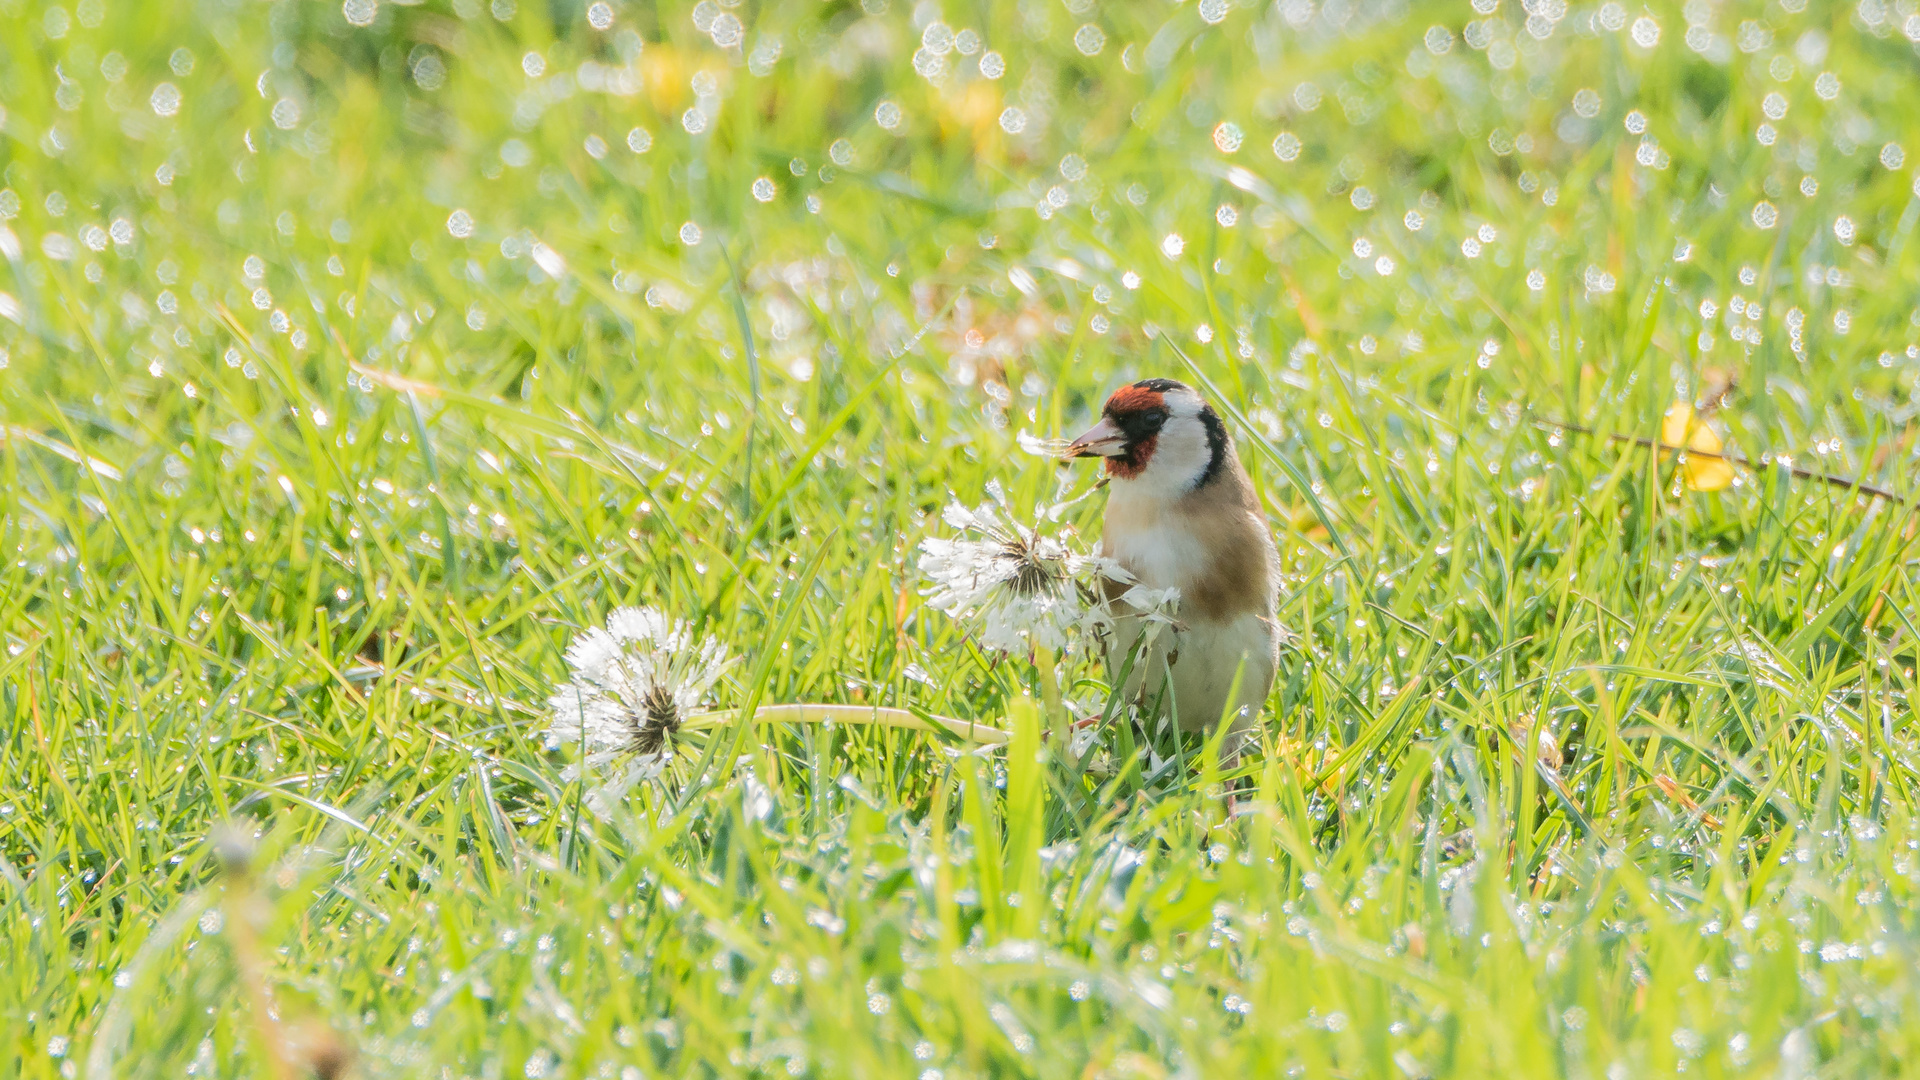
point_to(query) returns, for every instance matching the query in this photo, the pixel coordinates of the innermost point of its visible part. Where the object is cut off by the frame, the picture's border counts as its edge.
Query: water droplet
(887, 115)
(1843, 229)
(165, 99)
(1536, 280)
(360, 12)
(1090, 39)
(1383, 266)
(1286, 146)
(1213, 12)
(1764, 215)
(1363, 248)
(639, 140)
(534, 65)
(1892, 156)
(1413, 221)
(1013, 121)
(1307, 96)
(1228, 137)
(1586, 103)
(286, 114)
(690, 234)
(1487, 233)
(1636, 122)
(1645, 32)
(181, 62)
(694, 120)
(1439, 40)
(1774, 105)
(1470, 247)
(460, 224)
(841, 153)
(1173, 245)
(992, 65)
(600, 15)
(1827, 86)
(1361, 198)
(1227, 215)
(764, 189)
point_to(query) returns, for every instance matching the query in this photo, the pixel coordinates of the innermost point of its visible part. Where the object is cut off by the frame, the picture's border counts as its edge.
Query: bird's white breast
(1149, 542)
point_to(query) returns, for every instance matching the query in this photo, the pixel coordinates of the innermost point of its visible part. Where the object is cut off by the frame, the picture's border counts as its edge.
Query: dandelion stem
(969, 730)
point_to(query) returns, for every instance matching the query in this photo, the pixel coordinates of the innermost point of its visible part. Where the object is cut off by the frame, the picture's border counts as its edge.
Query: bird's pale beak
(1104, 439)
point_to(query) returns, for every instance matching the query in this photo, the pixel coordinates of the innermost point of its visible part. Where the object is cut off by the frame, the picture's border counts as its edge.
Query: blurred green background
(353, 357)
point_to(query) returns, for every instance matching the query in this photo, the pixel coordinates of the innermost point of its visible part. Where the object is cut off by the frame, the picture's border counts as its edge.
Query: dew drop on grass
(1637, 122)
(1286, 146)
(1892, 156)
(1764, 215)
(1645, 32)
(181, 62)
(1827, 86)
(1090, 40)
(600, 15)
(165, 99)
(694, 120)
(360, 12)
(534, 65)
(1227, 215)
(1013, 120)
(764, 189)
(286, 114)
(1173, 245)
(690, 234)
(1213, 11)
(887, 115)
(1413, 221)
(460, 224)
(1774, 105)
(992, 65)
(639, 140)
(841, 153)
(1536, 280)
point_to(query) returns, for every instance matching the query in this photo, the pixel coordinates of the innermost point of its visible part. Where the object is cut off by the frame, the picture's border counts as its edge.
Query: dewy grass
(356, 357)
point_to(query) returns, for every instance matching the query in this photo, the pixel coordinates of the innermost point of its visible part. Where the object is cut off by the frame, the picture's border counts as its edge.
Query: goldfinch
(1182, 514)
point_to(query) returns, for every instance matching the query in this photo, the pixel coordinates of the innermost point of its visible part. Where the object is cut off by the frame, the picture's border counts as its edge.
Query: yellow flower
(1680, 428)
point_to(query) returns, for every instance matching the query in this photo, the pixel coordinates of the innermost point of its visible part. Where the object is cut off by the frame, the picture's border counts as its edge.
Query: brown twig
(1853, 485)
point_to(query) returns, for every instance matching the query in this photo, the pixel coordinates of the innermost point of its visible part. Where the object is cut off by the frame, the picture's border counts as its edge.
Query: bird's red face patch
(1134, 461)
(1135, 399)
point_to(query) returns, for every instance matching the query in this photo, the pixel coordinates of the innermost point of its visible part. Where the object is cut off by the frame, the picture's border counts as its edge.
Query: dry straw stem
(1732, 459)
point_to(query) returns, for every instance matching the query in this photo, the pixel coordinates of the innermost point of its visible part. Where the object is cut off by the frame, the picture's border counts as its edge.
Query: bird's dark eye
(1140, 423)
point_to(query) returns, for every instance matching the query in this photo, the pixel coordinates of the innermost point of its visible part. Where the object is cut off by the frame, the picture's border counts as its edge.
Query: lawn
(357, 358)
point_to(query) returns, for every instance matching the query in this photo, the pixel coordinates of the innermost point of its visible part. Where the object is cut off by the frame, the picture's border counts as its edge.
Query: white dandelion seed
(634, 683)
(1027, 589)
